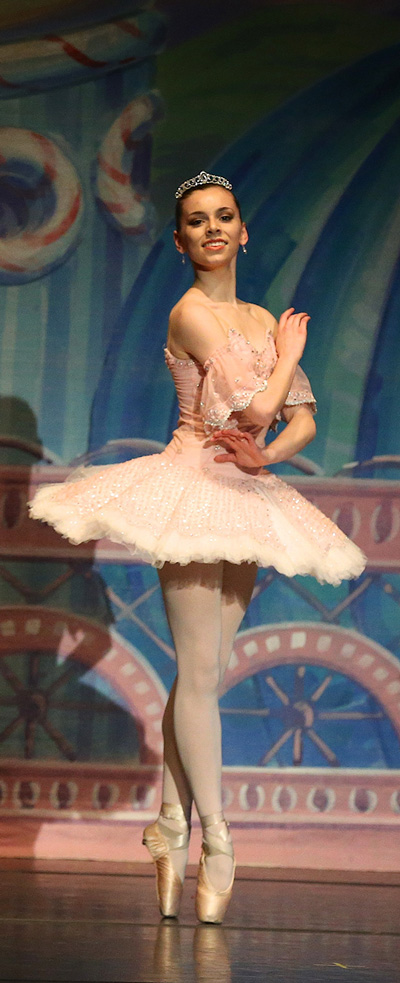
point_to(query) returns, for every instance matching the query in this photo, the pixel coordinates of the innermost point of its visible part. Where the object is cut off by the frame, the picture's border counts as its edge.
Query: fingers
(283, 318)
(297, 318)
(291, 316)
(231, 445)
(228, 434)
(221, 458)
(235, 443)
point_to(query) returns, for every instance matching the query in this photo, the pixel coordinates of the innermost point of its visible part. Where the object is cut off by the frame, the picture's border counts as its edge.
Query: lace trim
(178, 361)
(298, 396)
(238, 401)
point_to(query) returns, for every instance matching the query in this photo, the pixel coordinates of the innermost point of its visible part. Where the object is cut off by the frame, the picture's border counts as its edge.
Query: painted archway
(69, 636)
(341, 649)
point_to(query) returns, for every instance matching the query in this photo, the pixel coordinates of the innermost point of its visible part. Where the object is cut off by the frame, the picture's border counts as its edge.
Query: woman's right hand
(292, 334)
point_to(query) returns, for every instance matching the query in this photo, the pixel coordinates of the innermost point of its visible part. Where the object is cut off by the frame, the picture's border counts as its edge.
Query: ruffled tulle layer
(163, 511)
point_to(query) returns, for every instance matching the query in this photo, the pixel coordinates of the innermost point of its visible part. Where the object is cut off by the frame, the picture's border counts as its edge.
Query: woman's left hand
(241, 449)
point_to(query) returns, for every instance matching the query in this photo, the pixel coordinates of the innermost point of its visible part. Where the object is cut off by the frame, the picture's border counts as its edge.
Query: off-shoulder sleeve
(230, 383)
(300, 393)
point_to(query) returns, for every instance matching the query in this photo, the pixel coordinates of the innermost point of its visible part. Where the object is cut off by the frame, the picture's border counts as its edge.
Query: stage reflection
(210, 953)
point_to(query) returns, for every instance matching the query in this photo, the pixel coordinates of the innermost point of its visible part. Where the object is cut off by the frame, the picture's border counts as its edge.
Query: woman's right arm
(291, 339)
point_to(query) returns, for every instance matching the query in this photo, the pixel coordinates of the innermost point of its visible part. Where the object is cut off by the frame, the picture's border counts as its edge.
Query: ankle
(174, 812)
(216, 868)
(214, 823)
(174, 816)
(216, 835)
(220, 831)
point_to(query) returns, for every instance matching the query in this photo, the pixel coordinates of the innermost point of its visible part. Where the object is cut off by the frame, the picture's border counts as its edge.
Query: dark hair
(210, 184)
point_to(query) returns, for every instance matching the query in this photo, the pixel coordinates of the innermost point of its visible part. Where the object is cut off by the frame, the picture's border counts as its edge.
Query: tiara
(202, 178)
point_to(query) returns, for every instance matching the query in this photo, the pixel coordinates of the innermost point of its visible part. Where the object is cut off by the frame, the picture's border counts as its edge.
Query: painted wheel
(311, 695)
(71, 681)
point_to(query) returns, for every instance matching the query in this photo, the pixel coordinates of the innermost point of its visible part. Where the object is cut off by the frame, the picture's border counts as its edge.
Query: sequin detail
(163, 511)
(185, 362)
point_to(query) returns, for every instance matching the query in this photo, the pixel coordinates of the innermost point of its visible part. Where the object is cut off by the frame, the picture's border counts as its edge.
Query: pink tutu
(180, 505)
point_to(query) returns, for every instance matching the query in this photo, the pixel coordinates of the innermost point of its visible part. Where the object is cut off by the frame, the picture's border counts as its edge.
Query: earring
(244, 249)
(183, 259)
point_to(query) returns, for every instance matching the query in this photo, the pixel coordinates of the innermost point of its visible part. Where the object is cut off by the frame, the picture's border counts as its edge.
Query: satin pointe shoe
(211, 904)
(160, 840)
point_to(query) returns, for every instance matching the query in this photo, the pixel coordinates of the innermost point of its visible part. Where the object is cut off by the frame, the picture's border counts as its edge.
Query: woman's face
(211, 229)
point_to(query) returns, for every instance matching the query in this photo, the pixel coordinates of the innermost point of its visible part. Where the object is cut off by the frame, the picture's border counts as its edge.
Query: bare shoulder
(193, 329)
(264, 317)
(189, 314)
(187, 308)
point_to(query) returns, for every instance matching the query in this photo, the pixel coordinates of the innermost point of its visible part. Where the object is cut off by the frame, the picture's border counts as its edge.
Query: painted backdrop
(105, 109)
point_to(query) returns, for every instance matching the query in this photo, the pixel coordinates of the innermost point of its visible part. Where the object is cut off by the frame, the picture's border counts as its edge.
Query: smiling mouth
(214, 244)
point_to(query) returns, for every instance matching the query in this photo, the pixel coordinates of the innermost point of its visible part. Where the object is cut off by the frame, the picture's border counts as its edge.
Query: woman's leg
(205, 605)
(175, 784)
(237, 587)
(238, 581)
(192, 597)
(176, 789)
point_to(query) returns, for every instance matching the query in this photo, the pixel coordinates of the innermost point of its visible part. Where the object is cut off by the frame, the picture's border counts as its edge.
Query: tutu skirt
(168, 511)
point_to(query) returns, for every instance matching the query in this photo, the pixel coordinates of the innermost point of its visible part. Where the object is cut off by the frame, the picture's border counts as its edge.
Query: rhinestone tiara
(202, 178)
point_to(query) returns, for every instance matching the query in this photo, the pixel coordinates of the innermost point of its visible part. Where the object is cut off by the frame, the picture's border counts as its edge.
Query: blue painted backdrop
(311, 144)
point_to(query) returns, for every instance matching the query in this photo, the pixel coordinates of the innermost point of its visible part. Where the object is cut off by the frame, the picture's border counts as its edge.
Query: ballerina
(207, 512)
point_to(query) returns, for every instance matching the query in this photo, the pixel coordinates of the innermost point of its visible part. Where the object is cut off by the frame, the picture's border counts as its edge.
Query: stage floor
(66, 922)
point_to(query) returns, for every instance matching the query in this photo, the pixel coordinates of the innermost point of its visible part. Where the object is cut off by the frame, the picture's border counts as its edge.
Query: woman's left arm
(241, 448)
(300, 430)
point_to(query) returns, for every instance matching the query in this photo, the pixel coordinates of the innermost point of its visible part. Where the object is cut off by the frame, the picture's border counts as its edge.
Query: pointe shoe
(160, 840)
(211, 904)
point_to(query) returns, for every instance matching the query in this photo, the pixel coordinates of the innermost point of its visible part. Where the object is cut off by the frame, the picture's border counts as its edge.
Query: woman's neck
(218, 285)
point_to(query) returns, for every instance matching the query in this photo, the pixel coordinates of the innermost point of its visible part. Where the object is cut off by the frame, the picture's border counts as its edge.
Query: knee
(202, 677)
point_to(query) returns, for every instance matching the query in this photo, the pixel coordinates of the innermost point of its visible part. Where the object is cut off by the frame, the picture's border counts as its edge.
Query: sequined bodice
(189, 377)
(216, 395)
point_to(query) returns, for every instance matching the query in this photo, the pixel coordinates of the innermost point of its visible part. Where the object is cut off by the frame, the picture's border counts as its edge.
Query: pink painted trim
(375, 850)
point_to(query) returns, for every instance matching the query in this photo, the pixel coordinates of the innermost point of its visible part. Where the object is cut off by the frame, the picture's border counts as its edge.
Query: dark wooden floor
(90, 922)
